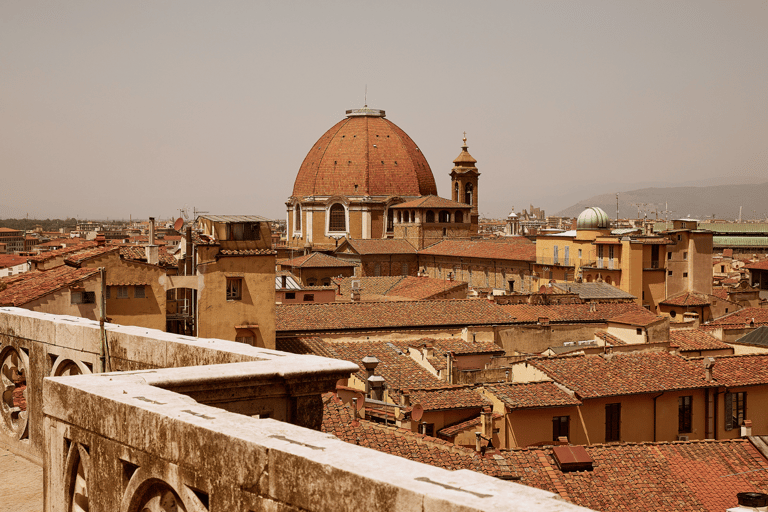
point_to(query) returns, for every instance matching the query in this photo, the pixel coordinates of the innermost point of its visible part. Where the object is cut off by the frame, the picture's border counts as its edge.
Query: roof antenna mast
(366, 95)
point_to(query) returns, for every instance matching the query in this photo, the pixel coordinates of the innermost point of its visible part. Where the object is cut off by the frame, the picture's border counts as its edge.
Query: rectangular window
(612, 422)
(107, 292)
(234, 288)
(579, 253)
(735, 409)
(139, 293)
(290, 295)
(567, 255)
(560, 427)
(309, 297)
(685, 255)
(679, 237)
(83, 297)
(669, 272)
(555, 257)
(685, 414)
(685, 274)
(122, 292)
(669, 255)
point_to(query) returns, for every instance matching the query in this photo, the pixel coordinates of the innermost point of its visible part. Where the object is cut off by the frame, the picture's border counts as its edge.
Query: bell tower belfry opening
(464, 177)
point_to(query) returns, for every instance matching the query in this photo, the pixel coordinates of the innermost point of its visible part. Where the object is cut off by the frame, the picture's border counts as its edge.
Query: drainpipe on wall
(654, 415)
(102, 320)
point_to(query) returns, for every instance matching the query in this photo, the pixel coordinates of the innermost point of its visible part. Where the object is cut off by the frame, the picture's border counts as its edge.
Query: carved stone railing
(139, 442)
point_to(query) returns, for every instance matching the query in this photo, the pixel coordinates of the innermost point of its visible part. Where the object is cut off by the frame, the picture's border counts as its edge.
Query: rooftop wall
(192, 423)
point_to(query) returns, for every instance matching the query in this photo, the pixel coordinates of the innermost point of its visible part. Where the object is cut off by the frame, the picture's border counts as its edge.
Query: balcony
(653, 265)
(555, 262)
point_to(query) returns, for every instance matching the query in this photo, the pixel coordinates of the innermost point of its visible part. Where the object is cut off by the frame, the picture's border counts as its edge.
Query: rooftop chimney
(369, 363)
(486, 423)
(151, 250)
(709, 362)
(746, 428)
(375, 384)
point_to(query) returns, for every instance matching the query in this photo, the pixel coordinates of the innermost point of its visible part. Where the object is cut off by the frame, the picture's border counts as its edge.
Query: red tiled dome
(369, 151)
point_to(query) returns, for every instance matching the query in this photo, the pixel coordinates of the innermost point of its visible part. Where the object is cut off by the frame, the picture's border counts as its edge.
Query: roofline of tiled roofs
(650, 321)
(533, 360)
(77, 259)
(245, 252)
(414, 328)
(714, 323)
(555, 383)
(49, 255)
(87, 273)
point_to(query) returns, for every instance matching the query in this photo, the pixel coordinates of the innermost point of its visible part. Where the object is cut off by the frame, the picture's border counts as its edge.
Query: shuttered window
(735, 409)
(612, 422)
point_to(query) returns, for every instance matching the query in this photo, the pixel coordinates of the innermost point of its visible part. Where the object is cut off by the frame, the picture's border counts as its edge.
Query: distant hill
(722, 201)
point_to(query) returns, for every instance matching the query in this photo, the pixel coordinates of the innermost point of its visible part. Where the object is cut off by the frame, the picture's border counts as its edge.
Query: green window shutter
(728, 412)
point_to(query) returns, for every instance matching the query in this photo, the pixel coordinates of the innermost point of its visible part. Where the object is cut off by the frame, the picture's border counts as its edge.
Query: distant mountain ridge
(722, 202)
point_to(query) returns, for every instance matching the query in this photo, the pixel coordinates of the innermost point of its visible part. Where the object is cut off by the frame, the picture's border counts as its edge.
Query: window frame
(139, 295)
(685, 414)
(332, 217)
(735, 409)
(121, 292)
(613, 422)
(234, 289)
(557, 427)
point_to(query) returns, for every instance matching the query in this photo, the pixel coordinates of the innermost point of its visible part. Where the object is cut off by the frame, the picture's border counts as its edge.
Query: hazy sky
(111, 109)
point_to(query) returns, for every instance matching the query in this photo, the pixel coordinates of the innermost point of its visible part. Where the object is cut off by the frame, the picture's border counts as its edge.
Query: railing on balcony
(549, 260)
(652, 264)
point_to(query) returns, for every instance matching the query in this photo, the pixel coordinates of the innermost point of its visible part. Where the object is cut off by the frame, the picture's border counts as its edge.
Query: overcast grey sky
(111, 109)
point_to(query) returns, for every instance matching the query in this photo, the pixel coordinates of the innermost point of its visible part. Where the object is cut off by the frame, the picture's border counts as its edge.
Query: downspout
(102, 320)
(654, 415)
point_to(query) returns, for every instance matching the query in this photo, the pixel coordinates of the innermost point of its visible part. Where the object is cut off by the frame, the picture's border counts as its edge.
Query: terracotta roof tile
(674, 477)
(742, 370)
(399, 287)
(45, 256)
(79, 257)
(317, 260)
(338, 420)
(138, 253)
(760, 265)
(688, 340)
(747, 317)
(29, 286)
(610, 339)
(446, 398)
(472, 425)
(11, 260)
(687, 299)
(483, 249)
(247, 252)
(641, 317)
(592, 376)
(530, 313)
(379, 315)
(379, 246)
(532, 395)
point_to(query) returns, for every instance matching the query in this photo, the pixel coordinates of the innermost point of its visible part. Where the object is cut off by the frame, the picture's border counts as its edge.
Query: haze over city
(118, 110)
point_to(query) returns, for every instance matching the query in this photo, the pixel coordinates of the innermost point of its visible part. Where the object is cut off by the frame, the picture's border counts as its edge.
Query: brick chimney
(709, 362)
(151, 250)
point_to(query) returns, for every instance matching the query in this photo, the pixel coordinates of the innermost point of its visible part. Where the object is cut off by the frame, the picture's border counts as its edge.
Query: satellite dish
(360, 400)
(417, 412)
(178, 224)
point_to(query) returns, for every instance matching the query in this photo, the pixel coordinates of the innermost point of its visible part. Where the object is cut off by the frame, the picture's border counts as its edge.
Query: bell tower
(464, 177)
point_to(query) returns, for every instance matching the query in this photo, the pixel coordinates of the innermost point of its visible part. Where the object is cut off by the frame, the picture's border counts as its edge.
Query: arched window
(327, 281)
(608, 280)
(390, 219)
(468, 194)
(413, 215)
(406, 216)
(456, 196)
(430, 216)
(459, 217)
(297, 218)
(338, 218)
(312, 281)
(445, 216)
(399, 217)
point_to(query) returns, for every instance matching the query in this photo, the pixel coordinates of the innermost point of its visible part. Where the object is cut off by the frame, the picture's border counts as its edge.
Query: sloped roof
(399, 287)
(532, 395)
(741, 318)
(758, 337)
(29, 286)
(339, 421)
(742, 370)
(570, 313)
(317, 260)
(378, 246)
(45, 256)
(760, 265)
(11, 260)
(687, 299)
(472, 424)
(432, 201)
(593, 376)
(446, 398)
(483, 249)
(80, 257)
(395, 365)
(641, 318)
(689, 340)
(674, 477)
(610, 339)
(383, 315)
(594, 291)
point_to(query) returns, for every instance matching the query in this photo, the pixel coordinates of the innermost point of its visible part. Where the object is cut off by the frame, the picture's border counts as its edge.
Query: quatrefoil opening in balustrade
(13, 406)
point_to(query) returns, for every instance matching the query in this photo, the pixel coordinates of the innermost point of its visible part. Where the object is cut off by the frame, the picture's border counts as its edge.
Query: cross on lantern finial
(465, 138)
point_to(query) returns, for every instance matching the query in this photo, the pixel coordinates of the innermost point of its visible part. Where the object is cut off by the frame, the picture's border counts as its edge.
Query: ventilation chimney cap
(709, 362)
(370, 363)
(752, 499)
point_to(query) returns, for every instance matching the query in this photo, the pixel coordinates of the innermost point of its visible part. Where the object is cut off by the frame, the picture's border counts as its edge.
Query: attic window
(83, 298)
(572, 458)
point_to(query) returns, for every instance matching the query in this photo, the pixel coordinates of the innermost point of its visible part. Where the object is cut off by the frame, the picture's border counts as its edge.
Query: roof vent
(572, 458)
(752, 499)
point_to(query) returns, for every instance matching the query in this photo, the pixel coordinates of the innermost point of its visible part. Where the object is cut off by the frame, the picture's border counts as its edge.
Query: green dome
(592, 218)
